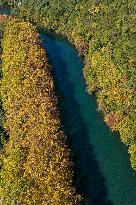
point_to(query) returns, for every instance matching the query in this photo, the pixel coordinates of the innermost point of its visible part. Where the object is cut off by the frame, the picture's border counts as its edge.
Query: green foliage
(36, 166)
(5, 3)
(111, 65)
(104, 32)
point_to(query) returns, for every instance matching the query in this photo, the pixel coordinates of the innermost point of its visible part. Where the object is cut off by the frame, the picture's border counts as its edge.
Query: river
(102, 167)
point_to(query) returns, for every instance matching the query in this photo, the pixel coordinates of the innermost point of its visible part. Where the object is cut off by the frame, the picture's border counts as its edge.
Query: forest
(108, 46)
(36, 161)
(36, 166)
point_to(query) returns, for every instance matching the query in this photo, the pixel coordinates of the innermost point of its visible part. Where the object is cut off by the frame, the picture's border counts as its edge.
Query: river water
(4, 11)
(102, 168)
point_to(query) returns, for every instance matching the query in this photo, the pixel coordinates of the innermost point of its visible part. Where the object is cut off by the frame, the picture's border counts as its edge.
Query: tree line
(36, 163)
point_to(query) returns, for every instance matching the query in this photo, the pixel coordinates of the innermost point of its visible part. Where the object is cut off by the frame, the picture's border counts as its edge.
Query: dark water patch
(5, 10)
(86, 165)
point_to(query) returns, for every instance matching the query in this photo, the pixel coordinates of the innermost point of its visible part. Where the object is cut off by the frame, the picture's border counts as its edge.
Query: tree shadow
(88, 178)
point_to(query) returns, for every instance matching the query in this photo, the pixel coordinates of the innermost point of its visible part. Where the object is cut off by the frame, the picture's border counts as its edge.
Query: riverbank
(3, 134)
(108, 47)
(36, 160)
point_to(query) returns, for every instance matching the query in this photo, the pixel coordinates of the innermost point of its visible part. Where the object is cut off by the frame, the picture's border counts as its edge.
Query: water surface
(5, 11)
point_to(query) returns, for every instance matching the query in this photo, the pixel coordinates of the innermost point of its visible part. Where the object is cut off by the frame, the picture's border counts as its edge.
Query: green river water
(4, 11)
(102, 168)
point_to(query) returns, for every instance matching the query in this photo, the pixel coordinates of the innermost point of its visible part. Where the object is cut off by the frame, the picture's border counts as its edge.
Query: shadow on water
(88, 179)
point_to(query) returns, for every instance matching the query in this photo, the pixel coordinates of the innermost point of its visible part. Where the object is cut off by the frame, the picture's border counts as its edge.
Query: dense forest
(36, 166)
(104, 33)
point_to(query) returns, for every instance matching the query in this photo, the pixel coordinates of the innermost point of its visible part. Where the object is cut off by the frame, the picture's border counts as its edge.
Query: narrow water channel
(102, 167)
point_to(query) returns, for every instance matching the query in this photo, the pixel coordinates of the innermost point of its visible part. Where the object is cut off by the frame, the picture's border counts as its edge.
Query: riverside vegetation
(36, 166)
(104, 33)
(3, 134)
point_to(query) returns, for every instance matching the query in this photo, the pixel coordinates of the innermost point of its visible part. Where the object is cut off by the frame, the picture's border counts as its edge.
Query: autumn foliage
(36, 167)
(104, 32)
